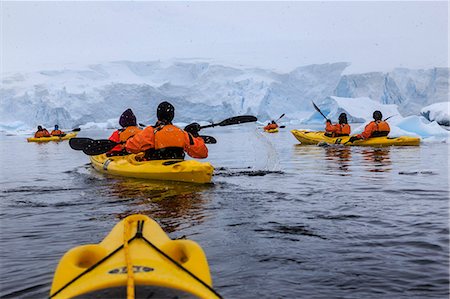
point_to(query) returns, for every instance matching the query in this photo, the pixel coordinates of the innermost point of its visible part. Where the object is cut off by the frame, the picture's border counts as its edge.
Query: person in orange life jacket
(376, 128)
(129, 128)
(166, 141)
(340, 129)
(57, 131)
(271, 126)
(41, 132)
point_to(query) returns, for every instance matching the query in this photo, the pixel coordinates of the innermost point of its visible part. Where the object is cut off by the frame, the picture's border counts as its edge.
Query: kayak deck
(53, 138)
(272, 130)
(313, 138)
(168, 170)
(138, 243)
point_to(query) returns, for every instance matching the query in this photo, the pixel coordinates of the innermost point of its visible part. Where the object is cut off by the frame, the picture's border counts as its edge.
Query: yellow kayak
(136, 259)
(308, 137)
(168, 170)
(53, 138)
(271, 130)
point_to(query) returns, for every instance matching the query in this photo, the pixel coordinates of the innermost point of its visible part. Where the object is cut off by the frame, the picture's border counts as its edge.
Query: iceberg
(204, 91)
(421, 126)
(439, 112)
(358, 110)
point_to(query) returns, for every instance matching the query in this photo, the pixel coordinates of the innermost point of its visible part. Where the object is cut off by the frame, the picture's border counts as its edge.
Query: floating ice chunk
(421, 126)
(439, 112)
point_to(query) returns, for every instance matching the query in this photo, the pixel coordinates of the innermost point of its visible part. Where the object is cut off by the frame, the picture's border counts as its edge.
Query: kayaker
(41, 132)
(129, 128)
(166, 141)
(271, 126)
(376, 128)
(340, 129)
(57, 131)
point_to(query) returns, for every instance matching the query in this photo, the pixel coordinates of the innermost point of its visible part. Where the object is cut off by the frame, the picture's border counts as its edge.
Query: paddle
(280, 118)
(96, 147)
(390, 117)
(232, 121)
(318, 110)
(79, 143)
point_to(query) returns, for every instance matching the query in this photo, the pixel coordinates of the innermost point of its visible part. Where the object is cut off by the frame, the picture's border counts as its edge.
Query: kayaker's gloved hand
(353, 139)
(193, 128)
(328, 121)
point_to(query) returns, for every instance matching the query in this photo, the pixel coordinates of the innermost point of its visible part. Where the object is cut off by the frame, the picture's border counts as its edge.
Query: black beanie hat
(127, 119)
(165, 112)
(343, 118)
(377, 115)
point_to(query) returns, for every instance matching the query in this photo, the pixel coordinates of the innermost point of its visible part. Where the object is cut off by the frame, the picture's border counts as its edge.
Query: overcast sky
(372, 36)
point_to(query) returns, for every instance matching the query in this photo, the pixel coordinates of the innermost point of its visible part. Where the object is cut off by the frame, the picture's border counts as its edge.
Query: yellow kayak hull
(313, 138)
(272, 130)
(190, 171)
(53, 138)
(174, 264)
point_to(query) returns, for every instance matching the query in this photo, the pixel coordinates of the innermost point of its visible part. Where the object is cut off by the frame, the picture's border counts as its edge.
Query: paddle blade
(315, 107)
(98, 147)
(282, 127)
(282, 115)
(79, 144)
(209, 139)
(237, 120)
(76, 130)
(318, 110)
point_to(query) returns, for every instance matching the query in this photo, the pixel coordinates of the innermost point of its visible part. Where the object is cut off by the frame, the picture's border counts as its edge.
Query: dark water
(280, 220)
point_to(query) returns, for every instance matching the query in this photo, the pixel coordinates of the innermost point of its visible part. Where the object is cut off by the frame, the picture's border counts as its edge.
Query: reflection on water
(344, 160)
(377, 159)
(326, 222)
(172, 203)
(340, 157)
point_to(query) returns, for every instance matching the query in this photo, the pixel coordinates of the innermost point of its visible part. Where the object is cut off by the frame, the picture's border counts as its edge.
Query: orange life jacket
(42, 133)
(122, 136)
(377, 128)
(128, 133)
(57, 133)
(337, 130)
(380, 129)
(270, 127)
(383, 127)
(169, 136)
(345, 129)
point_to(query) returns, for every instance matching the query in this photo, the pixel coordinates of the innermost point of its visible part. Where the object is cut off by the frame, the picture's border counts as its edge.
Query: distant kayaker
(340, 129)
(41, 132)
(271, 126)
(376, 128)
(57, 131)
(166, 141)
(129, 128)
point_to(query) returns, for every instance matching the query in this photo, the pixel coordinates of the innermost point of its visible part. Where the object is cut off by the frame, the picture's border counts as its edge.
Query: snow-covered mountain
(203, 91)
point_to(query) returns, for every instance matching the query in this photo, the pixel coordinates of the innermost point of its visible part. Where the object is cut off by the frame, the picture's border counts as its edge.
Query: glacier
(95, 95)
